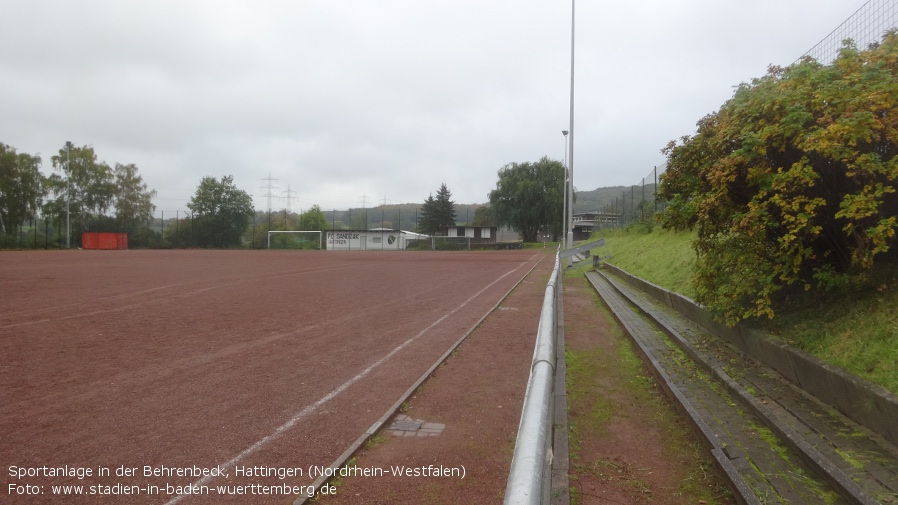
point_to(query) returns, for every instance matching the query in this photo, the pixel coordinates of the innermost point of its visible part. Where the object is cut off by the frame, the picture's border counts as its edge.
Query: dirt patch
(628, 444)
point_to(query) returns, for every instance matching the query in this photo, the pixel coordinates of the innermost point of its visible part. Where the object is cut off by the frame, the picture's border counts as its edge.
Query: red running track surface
(121, 360)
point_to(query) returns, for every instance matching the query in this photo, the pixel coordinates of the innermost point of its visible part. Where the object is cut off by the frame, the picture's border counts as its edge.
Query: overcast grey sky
(351, 100)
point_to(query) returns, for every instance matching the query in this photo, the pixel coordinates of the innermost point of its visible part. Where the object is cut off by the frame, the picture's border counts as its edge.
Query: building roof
(384, 230)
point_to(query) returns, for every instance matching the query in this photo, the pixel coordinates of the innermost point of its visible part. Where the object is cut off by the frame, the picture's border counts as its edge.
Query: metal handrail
(529, 481)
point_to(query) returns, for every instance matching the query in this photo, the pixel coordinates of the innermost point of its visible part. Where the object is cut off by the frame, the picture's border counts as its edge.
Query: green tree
(792, 183)
(21, 189)
(221, 213)
(426, 222)
(529, 198)
(437, 213)
(314, 220)
(87, 189)
(132, 199)
(484, 216)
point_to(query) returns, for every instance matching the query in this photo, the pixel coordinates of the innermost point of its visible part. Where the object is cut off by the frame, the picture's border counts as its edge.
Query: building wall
(479, 233)
(350, 240)
(582, 232)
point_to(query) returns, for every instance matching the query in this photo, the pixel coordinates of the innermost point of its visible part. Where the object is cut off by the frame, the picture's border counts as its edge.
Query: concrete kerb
(863, 402)
(379, 425)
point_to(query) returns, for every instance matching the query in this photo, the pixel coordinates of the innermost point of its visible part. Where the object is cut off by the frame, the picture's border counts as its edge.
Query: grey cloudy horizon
(352, 103)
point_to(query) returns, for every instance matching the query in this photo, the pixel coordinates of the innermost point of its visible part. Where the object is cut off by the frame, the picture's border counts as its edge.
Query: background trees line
(93, 196)
(528, 199)
(90, 195)
(80, 189)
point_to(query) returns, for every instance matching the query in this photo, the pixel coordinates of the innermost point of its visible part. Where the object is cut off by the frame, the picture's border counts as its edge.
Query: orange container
(97, 240)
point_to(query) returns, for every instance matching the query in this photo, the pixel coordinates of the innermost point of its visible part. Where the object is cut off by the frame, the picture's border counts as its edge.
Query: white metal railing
(530, 478)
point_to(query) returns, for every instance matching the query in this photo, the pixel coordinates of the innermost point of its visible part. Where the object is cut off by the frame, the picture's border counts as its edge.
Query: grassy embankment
(856, 330)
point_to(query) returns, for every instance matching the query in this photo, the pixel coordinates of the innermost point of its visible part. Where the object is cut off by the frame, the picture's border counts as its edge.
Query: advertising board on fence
(97, 240)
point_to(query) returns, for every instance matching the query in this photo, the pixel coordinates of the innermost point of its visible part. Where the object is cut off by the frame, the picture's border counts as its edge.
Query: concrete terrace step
(829, 453)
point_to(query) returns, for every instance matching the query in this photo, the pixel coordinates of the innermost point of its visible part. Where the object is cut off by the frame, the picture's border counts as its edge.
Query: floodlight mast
(68, 197)
(564, 211)
(570, 209)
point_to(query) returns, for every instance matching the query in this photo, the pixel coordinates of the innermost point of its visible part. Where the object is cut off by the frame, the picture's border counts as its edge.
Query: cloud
(383, 99)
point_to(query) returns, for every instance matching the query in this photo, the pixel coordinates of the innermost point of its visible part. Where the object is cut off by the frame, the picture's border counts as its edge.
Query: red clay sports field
(133, 374)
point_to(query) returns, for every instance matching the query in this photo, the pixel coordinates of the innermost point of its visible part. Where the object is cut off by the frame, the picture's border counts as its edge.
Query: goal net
(294, 239)
(441, 243)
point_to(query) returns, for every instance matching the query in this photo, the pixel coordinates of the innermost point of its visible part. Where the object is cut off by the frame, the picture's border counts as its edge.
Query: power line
(269, 188)
(289, 197)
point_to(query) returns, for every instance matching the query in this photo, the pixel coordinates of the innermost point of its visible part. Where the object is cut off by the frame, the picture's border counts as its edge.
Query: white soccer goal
(299, 240)
(450, 243)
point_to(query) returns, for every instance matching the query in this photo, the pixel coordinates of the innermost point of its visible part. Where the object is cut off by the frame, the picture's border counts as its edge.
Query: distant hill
(587, 201)
(615, 196)
(387, 216)
(406, 214)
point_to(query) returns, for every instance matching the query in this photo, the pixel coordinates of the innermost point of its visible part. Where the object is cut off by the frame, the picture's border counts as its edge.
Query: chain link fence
(864, 27)
(633, 204)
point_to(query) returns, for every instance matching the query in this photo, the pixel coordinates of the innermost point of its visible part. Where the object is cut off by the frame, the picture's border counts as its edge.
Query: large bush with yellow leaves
(792, 183)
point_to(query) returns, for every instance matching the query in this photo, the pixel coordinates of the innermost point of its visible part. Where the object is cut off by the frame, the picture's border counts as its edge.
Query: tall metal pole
(564, 211)
(570, 209)
(68, 197)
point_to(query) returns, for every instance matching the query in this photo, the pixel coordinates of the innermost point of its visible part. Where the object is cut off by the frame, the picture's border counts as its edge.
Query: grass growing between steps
(612, 394)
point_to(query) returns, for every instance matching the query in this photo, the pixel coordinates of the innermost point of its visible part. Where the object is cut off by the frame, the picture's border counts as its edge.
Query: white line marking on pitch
(326, 398)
